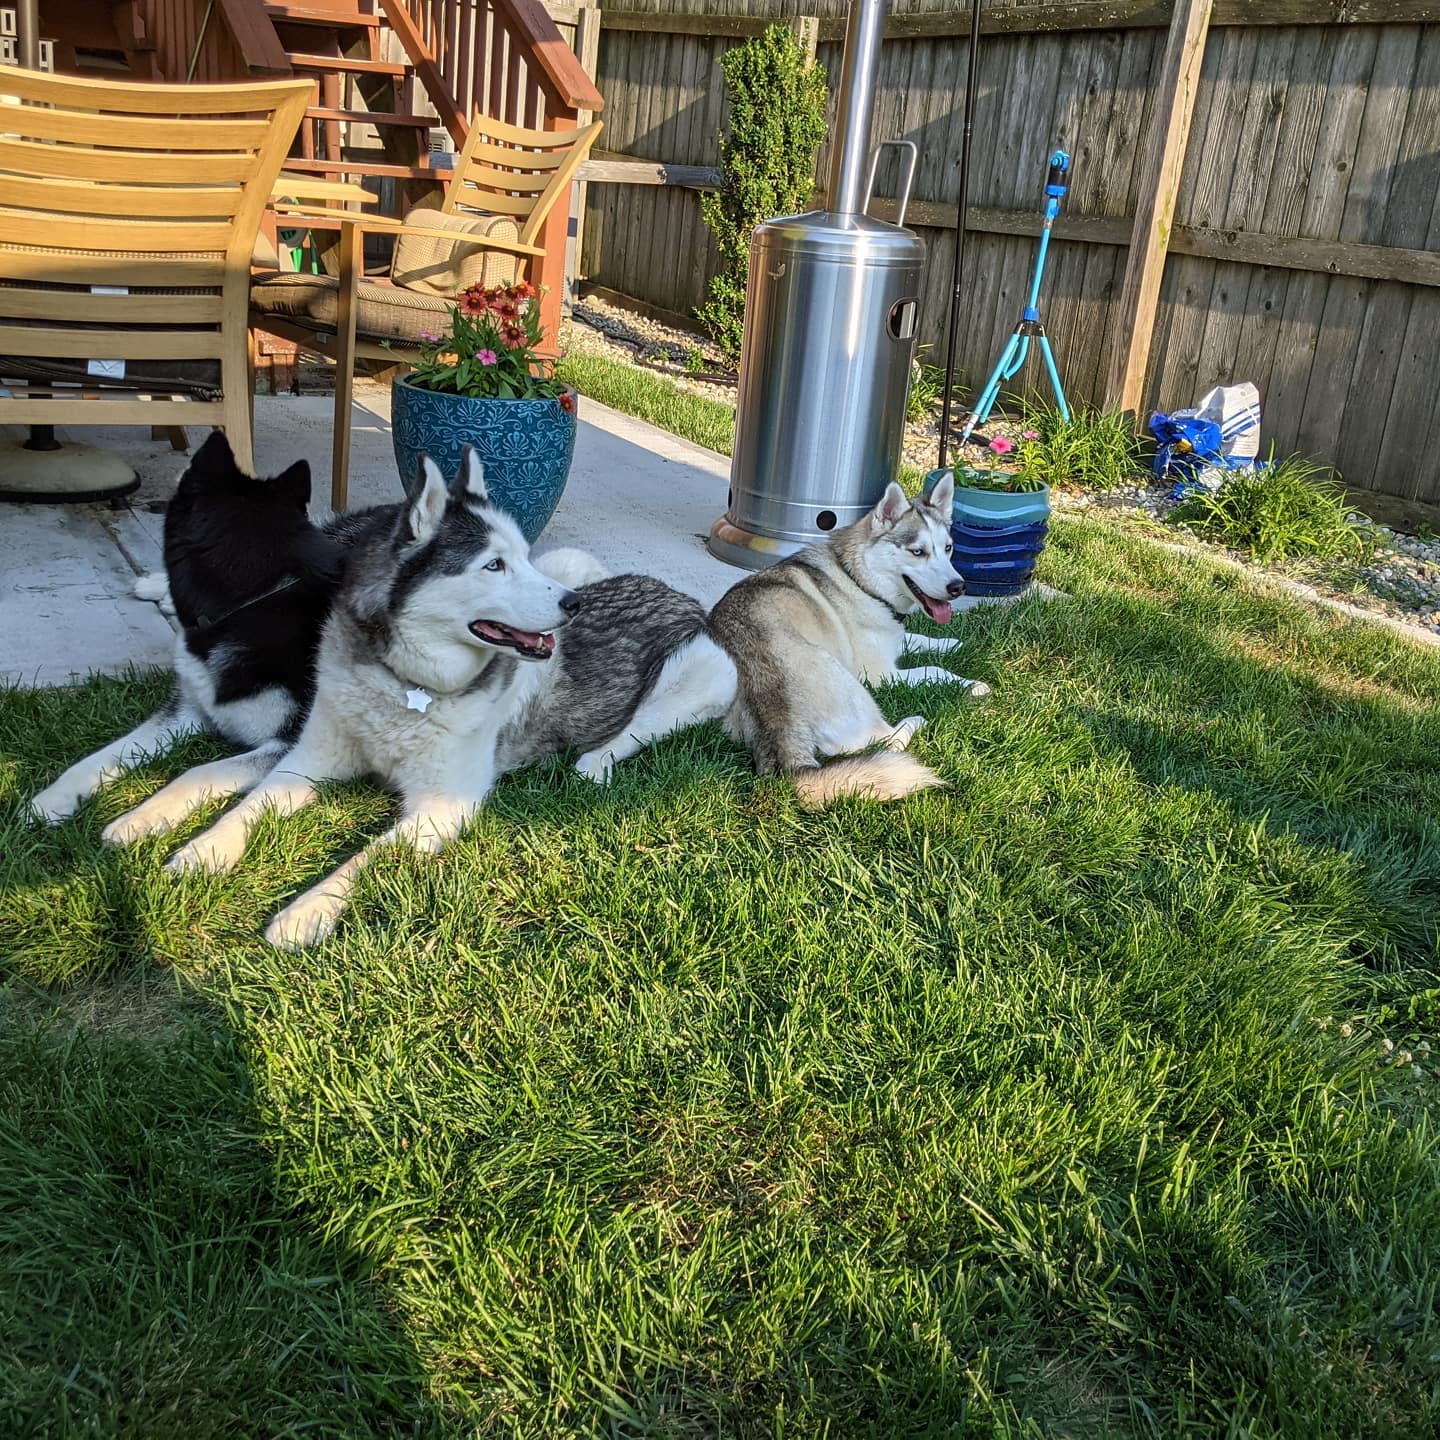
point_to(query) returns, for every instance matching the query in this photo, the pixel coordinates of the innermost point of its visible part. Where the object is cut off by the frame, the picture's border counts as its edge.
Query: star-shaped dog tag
(418, 700)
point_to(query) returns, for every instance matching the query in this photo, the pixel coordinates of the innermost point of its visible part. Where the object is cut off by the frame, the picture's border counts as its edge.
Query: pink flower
(427, 336)
(486, 357)
(1030, 435)
(1001, 446)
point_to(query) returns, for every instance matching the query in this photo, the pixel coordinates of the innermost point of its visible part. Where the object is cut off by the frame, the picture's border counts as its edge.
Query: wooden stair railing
(508, 60)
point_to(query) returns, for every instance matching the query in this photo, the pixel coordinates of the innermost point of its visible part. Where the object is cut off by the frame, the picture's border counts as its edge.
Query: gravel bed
(1401, 580)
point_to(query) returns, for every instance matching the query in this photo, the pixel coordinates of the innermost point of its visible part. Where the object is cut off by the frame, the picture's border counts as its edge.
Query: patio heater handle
(906, 183)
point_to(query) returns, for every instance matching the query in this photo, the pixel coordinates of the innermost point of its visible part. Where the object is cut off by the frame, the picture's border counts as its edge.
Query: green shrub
(1093, 449)
(767, 163)
(1280, 511)
(926, 383)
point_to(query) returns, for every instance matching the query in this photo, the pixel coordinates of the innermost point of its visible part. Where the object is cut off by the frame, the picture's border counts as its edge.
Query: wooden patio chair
(128, 217)
(507, 181)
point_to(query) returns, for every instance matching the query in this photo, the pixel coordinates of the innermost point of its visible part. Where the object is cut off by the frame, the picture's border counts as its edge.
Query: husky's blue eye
(918, 550)
(497, 565)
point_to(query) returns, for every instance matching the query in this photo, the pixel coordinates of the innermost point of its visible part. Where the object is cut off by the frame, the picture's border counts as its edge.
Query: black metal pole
(27, 24)
(962, 205)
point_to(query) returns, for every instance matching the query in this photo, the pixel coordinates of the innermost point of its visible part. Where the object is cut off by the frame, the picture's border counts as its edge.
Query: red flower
(507, 309)
(523, 290)
(567, 400)
(513, 336)
(474, 301)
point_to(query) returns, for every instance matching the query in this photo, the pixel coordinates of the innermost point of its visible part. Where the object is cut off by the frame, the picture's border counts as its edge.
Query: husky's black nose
(570, 602)
(954, 588)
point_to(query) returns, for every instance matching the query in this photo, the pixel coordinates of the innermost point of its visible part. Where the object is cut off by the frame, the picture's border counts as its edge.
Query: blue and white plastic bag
(1197, 446)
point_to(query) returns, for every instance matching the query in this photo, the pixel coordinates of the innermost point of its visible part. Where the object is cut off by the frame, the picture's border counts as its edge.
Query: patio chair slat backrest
(507, 170)
(108, 187)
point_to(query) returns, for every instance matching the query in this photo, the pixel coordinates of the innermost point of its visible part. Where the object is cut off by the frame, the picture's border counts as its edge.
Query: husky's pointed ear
(892, 506)
(470, 477)
(294, 483)
(414, 482)
(427, 508)
(215, 457)
(941, 498)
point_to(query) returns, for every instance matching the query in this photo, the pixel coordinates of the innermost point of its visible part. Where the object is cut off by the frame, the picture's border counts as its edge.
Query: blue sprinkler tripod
(1019, 344)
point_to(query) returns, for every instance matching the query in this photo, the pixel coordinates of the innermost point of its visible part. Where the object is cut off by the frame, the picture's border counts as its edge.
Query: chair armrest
(289, 189)
(383, 225)
(458, 237)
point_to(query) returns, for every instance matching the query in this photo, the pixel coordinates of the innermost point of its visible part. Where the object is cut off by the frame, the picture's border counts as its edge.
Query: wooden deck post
(1155, 213)
(587, 51)
(548, 270)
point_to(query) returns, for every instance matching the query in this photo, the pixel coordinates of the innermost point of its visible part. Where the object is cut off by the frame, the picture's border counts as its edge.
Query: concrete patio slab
(67, 598)
(638, 499)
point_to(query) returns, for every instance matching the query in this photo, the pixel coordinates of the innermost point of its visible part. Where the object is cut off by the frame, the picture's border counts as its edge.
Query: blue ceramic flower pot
(526, 446)
(997, 536)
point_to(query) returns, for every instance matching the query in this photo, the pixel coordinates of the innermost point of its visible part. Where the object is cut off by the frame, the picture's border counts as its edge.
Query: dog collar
(865, 590)
(288, 583)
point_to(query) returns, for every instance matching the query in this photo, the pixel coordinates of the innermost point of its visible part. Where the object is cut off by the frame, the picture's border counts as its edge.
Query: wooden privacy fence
(1256, 195)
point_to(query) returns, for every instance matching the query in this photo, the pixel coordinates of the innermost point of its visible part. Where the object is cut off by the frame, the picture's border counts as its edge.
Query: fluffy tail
(885, 775)
(571, 567)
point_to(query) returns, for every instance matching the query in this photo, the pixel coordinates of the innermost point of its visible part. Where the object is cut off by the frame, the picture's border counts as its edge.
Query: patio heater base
(72, 474)
(751, 552)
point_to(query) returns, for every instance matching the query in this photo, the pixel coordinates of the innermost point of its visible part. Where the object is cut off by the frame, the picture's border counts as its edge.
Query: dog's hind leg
(61, 799)
(696, 684)
(314, 915)
(188, 792)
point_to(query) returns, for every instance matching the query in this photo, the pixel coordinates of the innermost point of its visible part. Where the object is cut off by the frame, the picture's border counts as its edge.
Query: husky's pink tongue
(938, 610)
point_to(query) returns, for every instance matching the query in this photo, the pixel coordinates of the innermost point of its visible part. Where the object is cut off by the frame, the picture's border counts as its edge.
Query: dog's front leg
(314, 915)
(436, 811)
(935, 675)
(932, 644)
(61, 799)
(290, 786)
(188, 792)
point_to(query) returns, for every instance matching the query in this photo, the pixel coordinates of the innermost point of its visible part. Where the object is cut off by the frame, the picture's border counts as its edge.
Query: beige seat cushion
(446, 267)
(382, 311)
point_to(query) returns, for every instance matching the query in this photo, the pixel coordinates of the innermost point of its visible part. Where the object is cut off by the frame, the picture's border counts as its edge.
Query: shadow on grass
(672, 1111)
(154, 1281)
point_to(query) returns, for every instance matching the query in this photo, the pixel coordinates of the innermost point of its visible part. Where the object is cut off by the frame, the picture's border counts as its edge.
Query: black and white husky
(449, 659)
(250, 581)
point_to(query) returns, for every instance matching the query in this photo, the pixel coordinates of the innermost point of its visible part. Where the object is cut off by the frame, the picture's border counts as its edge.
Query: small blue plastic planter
(526, 446)
(998, 536)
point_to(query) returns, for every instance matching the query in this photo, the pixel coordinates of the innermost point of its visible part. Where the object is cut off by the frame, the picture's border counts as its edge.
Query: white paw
(596, 765)
(54, 806)
(203, 854)
(905, 732)
(130, 827)
(155, 587)
(303, 923)
(976, 689)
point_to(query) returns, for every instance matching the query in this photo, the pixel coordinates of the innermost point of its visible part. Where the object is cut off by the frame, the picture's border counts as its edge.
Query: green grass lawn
(1056, 1103)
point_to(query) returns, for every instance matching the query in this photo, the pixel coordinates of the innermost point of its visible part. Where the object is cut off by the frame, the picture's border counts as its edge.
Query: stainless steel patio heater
(830, 321)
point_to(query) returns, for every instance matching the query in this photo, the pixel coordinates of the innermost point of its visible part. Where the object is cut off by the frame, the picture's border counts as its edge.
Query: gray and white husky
(808, 634)
(449, 659)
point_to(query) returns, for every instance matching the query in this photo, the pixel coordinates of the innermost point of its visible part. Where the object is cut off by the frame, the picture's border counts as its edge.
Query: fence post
(587, 51)
(1155, 210)
(806, 30)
